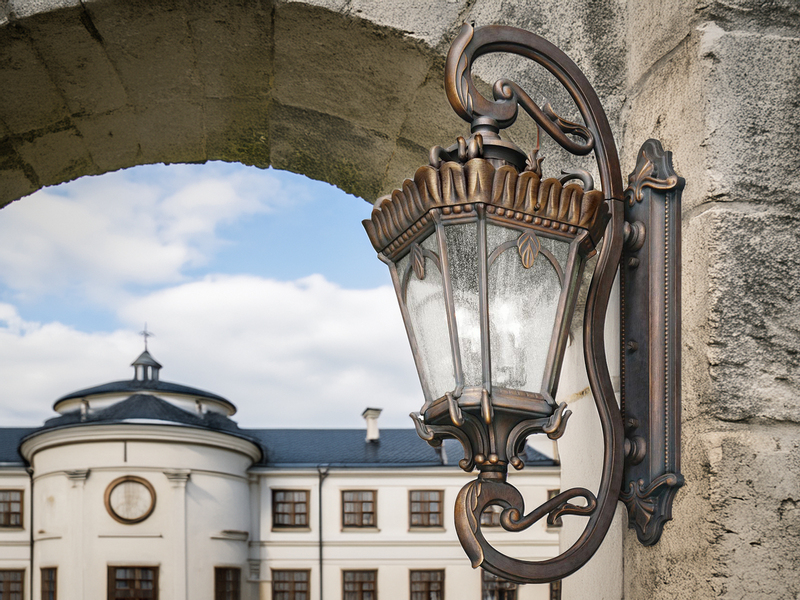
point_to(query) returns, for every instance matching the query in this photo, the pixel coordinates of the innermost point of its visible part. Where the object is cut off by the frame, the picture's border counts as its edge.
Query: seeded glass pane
(426, 306)
(462, 251)
(522, 310)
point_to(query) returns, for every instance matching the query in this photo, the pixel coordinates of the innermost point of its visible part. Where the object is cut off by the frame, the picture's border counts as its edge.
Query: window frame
(293, 525)
(427, 591)
(5, 516)
(360, 591)
(426, 513)
(112, 579)
(44, 583)
(221, 594)
(293, 591)
(502, 588)
(7, 592)
(490, 517)
(361, 512)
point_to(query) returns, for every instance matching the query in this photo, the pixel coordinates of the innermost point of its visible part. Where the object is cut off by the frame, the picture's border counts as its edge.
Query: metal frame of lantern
(487, 185)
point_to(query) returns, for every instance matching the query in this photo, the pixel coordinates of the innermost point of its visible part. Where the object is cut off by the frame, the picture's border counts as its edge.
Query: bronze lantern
(487, 254)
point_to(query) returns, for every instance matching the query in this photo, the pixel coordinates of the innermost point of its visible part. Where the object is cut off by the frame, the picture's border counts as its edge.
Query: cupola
(145, 367)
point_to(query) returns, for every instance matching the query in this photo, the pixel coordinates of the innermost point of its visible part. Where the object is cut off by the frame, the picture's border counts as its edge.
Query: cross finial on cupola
(146, 334)
(145, 367)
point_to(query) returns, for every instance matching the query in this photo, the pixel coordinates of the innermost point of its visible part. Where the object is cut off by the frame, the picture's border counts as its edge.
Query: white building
(147, 489)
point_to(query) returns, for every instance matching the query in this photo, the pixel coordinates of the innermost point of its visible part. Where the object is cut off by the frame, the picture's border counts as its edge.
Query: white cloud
(101, 234)
(305, 353)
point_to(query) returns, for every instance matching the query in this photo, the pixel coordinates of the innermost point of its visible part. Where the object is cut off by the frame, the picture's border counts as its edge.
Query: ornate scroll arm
(478, 494)
(471, 106)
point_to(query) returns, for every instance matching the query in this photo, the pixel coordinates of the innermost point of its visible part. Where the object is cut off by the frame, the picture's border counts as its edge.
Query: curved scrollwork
(594, 135)
(472, 106)
(477, 495)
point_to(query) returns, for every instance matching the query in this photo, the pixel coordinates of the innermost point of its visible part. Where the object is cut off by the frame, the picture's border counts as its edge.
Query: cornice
(169, 434)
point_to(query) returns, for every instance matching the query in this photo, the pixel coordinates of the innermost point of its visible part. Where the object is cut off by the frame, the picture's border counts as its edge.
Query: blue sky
(259, 285)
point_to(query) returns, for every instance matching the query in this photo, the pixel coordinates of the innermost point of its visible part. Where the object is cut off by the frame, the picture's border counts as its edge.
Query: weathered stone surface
(735, 525)
(238, 130)
(431, 22)
(36, 102)
(752, 115)
(328, 148)
(753, 320)
(358, 73)
(76, 60)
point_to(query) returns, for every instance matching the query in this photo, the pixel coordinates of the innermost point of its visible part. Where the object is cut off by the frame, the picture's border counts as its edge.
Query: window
(495, 588)
(427, 585)
(289, 508)
(133, 582)
(360, 585)
(425, 508)
(11, 585)
(290, 585)
(10, 508)
(490, 517)
(358, 509)
(49, 581)
(227, 583)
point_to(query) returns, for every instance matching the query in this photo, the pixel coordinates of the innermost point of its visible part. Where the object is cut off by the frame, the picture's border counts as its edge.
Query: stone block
(430, 120)
(753, 325)
(348, 68)
(111, 139)
(752, 117)
(76, 60)
(171, 131)
(663, 104)
(735, 521)
(238, 130)
(17, 177)
(25, 82)
(21, 9)
(431, 22)
(150, 47)
(328, 148)
(233, 48)
(57, 157)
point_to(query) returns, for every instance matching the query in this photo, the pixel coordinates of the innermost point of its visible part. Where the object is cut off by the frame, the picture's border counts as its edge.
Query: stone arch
(102, 85)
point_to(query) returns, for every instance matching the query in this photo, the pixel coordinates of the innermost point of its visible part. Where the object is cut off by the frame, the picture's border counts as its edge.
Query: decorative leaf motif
(418, 261)
(529, 246)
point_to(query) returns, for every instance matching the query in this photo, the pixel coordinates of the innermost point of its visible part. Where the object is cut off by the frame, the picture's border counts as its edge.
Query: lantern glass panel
(462, 252)
(522, 309)
(426, 306)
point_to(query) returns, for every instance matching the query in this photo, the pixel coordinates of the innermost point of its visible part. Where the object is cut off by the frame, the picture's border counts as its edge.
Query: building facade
(147, 489)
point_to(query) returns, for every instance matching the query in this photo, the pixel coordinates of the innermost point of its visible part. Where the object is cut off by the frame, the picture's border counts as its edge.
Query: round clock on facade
(130, 499)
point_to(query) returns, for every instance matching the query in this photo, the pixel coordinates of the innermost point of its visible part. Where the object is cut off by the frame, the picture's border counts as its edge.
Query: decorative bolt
(632, 346)
(633, 262)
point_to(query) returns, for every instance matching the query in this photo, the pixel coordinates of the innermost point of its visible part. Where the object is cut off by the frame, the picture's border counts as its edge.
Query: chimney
(371, 417)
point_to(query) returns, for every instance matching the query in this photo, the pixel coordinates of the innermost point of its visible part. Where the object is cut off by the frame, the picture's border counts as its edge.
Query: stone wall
(350, 91)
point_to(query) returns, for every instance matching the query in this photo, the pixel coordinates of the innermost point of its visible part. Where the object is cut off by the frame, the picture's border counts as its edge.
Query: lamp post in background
(487, 255)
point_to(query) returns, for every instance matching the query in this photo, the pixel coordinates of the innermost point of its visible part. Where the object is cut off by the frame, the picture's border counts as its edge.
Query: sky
(258, 285)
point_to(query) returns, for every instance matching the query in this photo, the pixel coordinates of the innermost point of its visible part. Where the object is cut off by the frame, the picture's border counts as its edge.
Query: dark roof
(135, 385)
(145, 407)
(10, 437)
(347, 447)
(146, 359)
(281, 448)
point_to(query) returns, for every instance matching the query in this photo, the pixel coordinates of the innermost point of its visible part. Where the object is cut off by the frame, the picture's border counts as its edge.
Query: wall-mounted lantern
(487, 254)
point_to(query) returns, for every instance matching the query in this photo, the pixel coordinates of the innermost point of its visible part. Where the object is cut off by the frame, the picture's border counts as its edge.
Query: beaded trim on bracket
(524, 197)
